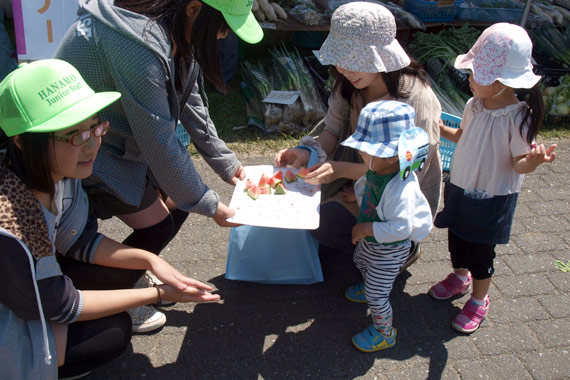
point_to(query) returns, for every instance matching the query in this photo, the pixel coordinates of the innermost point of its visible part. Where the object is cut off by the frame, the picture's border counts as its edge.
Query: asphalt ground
(304, 332)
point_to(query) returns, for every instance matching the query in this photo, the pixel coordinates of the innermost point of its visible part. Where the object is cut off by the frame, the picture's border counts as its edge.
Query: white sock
(478, 302)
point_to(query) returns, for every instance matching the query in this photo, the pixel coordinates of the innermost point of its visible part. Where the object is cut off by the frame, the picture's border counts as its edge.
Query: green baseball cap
(47, 95)
(239, 17)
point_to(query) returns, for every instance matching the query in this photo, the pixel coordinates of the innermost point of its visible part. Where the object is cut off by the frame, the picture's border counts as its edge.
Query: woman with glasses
(156, 54)
(51, 136)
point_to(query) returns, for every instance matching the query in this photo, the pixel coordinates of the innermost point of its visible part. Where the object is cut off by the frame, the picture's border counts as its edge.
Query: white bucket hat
(502, 52)
(362, 38)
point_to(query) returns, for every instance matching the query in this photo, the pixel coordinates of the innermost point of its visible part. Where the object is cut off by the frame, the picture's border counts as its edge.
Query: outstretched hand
(198, 292)
(171, 276)
(323, 172)
(295, 157)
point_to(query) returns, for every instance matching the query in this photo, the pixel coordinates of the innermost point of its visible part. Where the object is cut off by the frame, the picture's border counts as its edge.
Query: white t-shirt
(490, 139)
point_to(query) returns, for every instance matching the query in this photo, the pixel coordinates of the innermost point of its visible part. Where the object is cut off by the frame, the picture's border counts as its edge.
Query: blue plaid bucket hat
(379, 127)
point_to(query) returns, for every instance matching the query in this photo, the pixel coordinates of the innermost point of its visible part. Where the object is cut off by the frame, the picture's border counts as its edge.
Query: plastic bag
(273, 256)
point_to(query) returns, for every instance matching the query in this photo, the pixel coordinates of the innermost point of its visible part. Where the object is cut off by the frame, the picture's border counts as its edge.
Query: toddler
(495, 148)
(393, 212)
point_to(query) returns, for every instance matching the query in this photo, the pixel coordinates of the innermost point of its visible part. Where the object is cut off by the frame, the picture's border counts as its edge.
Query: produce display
(557, 99)
(318, 12)
(264, 10)
(286, 71)
(437, 52)
(552, 44)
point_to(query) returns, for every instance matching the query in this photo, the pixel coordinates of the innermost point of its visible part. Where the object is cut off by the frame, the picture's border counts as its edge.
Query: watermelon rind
(253, 192)
(302, 173)
(280, 189)
(290, 176)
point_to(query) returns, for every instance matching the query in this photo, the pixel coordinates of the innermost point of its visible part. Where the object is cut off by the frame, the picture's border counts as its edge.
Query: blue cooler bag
(274, 255)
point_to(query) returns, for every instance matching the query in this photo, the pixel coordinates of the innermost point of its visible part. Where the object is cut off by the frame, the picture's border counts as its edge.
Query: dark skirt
(484, 221)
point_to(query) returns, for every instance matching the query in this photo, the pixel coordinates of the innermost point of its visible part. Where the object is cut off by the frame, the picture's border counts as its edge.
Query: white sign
(282, 97)
(297, 209)
(40, 25)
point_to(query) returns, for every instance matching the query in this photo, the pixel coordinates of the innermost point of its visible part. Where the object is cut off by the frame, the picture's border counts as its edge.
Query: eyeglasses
(81, 138)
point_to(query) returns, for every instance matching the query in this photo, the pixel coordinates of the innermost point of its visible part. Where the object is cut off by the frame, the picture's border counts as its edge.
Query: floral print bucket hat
(502, 52)
(362, 38)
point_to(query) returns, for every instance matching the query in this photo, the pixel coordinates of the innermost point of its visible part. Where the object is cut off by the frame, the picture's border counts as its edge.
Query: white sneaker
(146, 319)
(76, 376)
(148, 280)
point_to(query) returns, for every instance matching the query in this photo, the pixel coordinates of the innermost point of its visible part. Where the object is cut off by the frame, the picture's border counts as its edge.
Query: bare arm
(110, 253)
(452, 134)
(102, 303)
(328, 171)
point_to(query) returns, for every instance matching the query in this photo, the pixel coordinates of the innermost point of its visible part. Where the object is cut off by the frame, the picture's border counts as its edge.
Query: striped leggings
(380, 265)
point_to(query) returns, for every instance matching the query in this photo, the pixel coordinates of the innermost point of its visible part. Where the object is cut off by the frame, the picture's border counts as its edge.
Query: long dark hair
(392, 80)
(533, 113)
(203, 46)
(30, 161)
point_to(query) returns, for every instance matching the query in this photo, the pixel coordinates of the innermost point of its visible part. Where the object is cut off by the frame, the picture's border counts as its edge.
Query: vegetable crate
(182, 135)
(446, 147)
(483, 10)
(428, 11)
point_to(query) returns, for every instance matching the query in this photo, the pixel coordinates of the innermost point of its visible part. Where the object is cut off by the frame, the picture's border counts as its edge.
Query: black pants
(335, 227)
(90, 344)
(476, 257)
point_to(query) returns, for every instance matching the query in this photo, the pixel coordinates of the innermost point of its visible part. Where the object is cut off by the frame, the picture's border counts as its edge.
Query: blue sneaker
(371, 340)
(355, 293)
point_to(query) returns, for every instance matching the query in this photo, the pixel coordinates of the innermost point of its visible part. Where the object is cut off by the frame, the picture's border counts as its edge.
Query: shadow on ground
(296, 332)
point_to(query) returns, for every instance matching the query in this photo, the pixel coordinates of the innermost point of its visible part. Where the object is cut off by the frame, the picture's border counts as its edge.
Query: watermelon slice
(276, 179)
(280, 189)
(290, 177)
(265, 189)
(302, 173)
(253, 192)
(249, 184)
(264, 180)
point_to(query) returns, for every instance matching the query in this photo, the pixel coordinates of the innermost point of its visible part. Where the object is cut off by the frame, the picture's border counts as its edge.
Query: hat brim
(527, 80)
(381, 150)
(77, 113)
(362, 57)
(245, 26)
(464, 61)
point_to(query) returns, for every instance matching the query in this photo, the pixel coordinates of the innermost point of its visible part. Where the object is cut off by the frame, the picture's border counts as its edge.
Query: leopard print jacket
(21, 214)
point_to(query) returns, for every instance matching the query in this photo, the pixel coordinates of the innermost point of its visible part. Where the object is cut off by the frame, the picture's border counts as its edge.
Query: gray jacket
(118, 50)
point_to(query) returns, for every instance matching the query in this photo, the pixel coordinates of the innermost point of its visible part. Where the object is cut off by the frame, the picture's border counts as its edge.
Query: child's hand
(361, 230)
(538, 155)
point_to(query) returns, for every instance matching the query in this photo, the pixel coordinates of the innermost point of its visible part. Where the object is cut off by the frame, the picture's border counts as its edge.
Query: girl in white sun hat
(369, 65)
(495, 148)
